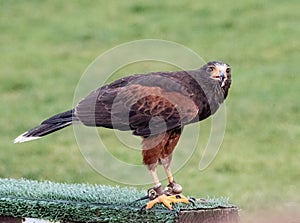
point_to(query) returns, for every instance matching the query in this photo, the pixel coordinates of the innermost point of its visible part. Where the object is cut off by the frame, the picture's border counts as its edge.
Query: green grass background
(46, 46)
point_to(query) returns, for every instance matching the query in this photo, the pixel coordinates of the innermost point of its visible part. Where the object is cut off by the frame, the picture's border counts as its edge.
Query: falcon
(155, 106)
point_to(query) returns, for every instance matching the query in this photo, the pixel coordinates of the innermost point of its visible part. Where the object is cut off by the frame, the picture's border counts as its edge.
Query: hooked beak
(222, 76)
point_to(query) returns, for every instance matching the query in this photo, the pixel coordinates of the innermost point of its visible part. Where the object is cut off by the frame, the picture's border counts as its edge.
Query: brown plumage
(155, 106)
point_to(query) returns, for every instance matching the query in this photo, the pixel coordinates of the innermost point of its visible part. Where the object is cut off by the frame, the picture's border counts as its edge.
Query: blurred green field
(46, 46)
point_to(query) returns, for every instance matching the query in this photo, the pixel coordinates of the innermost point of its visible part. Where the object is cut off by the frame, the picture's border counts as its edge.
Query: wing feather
(147, 104)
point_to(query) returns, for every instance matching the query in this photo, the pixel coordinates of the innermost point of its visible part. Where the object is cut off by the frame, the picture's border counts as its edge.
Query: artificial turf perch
(89, 203)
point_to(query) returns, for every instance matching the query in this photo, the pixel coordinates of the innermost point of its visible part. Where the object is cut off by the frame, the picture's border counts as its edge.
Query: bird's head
(220, 72)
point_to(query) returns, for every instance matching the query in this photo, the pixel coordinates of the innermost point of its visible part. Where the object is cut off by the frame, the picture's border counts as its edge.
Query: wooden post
(4, 219)
(214, 215)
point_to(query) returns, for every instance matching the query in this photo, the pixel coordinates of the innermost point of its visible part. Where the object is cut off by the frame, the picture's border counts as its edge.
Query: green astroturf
(87, 203)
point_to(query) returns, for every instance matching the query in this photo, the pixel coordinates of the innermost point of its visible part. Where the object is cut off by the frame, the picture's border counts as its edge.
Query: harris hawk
(155, 106)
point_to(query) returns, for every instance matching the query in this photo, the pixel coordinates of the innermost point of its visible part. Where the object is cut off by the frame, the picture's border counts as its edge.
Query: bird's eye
(228, 70)
(210, 69)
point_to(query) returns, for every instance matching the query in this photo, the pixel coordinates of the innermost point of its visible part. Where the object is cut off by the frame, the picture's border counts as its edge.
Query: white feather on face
(219, 71)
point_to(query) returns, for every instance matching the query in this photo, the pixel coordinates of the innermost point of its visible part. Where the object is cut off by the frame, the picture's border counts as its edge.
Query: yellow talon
(167, 200)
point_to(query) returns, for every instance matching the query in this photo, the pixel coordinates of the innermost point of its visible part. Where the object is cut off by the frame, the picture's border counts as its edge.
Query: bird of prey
(155, 106)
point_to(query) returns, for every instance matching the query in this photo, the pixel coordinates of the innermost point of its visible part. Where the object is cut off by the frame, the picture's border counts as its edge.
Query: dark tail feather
(48, 126)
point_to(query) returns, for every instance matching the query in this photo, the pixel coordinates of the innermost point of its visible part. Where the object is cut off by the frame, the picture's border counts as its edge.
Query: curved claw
(143, 208)
(192, 200)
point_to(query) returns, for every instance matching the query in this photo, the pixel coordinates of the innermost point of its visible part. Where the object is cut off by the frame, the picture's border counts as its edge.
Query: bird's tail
(48, 126)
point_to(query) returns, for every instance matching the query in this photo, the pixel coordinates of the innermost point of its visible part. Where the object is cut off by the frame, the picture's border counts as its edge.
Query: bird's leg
(152, 147)
(153, 172)
(157, 185)
(153, 153)
(171, 194)
(173, 187)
